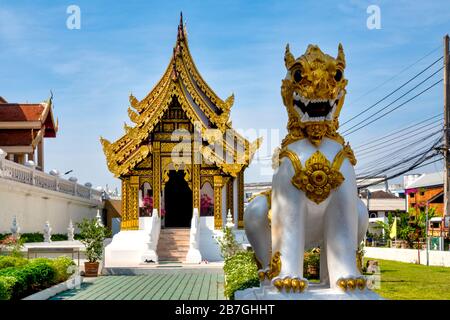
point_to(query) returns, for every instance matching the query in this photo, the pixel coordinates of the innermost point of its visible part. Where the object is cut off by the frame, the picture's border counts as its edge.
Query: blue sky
(238, 46)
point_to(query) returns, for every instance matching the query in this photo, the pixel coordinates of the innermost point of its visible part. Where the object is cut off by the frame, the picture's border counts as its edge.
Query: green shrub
(19, 287)
(228, 244)
(240, 272)
(36, 275)
(42, 274)
(11, 261)
(59, 237)
(6, 287)
(61, 266)
(32, 237)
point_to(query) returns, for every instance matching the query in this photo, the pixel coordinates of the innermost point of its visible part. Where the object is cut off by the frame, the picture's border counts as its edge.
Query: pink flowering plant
(206, 205)
(13, 245)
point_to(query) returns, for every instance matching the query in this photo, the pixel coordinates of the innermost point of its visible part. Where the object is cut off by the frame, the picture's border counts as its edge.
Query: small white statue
(47, 232)
(99, 218)
(229, 223)
(70, 231)
(15, 228)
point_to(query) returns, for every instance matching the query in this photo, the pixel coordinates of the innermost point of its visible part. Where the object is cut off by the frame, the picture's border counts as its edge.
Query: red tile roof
(15, 137)
(20, 112)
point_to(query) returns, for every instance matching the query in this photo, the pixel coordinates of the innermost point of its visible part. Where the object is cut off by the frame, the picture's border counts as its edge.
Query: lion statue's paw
(351, 283)
(288, 284)
(264, 274)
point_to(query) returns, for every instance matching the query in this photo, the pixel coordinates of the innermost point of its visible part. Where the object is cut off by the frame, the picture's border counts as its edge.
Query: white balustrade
(28, 174)
(66, 186)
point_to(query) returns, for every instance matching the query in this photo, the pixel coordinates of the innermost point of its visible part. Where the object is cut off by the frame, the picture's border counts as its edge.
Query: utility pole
(446, 125)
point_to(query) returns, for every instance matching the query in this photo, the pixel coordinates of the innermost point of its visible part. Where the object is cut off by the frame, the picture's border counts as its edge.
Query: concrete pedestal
(314, 292)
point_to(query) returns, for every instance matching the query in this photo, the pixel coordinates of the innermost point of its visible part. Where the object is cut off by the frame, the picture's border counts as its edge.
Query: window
(422, 193)
(412, 195)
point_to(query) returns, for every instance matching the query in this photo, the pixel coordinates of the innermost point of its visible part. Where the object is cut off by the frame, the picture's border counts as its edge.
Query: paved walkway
(152, 286)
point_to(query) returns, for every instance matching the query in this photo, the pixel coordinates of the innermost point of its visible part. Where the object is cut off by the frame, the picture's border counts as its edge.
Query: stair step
(168, 241)
(173, 244)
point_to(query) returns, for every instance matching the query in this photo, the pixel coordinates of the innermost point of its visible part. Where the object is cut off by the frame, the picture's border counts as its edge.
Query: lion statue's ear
(341, 56)
(288, 58)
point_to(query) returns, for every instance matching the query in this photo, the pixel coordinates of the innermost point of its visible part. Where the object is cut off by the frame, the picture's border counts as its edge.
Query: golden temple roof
(201, 104)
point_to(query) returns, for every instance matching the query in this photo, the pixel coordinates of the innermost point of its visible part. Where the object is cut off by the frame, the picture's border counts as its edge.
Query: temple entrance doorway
(178, 201)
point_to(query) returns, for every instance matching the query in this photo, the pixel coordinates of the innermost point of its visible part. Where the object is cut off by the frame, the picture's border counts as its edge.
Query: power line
(402, 162)
(397, 160)
(392, 110)
(381, 162)
(419, 165)
(397, 131)
(395, 76)
(404, 146)
(395, 139)
(391, 93)
(411, 167)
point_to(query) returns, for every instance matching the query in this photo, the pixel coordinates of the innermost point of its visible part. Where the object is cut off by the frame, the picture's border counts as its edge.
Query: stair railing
(194, 255)
(150, 255)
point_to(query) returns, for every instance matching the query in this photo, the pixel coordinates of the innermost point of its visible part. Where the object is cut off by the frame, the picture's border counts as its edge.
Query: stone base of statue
(314, 292)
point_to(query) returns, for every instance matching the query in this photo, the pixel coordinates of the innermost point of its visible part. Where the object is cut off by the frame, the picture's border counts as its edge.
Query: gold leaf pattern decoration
(319, 176)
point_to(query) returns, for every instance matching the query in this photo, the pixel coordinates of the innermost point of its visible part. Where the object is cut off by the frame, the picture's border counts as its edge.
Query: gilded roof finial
(180, 36)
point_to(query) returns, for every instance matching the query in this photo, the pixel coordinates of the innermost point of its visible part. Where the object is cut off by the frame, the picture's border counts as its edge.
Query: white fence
(436, 258)
(29, 175)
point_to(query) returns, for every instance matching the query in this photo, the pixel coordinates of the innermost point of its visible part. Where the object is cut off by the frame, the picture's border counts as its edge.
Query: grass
(407, 281)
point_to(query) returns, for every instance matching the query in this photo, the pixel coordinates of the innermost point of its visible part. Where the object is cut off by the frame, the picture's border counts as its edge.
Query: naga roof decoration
(182, 81)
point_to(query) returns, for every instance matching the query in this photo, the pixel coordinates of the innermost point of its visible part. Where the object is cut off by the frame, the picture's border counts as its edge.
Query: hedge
(31, 276)
(240, 273)
(39, 237)
(10, 261)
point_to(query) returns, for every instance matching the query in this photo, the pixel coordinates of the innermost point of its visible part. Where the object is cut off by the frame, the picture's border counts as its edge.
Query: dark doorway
(178, 201)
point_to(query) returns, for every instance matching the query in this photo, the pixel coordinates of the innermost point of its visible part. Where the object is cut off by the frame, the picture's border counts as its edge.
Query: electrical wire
(392, 92)
(392, 110)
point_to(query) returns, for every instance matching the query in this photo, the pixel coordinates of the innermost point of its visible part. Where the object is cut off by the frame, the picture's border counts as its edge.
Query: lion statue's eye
(297, 75)
(338, 75)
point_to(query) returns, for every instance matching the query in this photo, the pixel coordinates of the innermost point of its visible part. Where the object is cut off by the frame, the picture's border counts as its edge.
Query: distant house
(380, 203)
(428, 188)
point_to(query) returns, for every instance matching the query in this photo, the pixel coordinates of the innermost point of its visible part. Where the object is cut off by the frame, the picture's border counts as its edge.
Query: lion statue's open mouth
(316, 109)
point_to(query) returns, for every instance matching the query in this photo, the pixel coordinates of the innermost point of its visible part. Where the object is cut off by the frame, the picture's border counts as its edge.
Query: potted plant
(92, 234)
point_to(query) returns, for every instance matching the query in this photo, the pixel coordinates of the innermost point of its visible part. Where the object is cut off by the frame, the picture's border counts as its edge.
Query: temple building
(23, 127)
(181, 152)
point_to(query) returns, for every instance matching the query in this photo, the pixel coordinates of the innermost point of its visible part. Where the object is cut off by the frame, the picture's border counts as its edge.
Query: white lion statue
(313, 201)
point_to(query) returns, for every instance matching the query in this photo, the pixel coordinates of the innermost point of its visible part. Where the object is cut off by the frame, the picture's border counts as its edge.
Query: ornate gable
(181, 90)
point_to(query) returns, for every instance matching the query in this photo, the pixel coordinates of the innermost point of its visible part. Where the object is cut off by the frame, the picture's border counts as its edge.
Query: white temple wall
(33, 206)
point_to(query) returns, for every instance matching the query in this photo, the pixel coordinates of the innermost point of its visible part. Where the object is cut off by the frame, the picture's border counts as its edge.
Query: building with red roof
(23, 127)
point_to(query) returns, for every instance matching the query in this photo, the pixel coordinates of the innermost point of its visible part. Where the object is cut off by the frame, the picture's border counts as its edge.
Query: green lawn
(407, 281)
